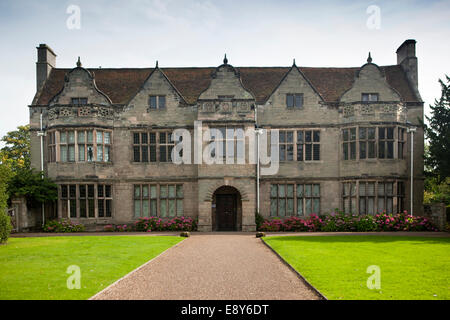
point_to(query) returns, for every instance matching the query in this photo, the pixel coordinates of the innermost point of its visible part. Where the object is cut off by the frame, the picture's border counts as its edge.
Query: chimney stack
(406, 57)
(46, 61)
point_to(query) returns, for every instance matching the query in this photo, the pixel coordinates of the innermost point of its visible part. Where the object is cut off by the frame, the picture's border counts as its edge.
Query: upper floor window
(152, 146)
(79, 145)
(300, 145)
(157, 102)
(369, 97)
(372, 142)
(79, 101)
(294, 100)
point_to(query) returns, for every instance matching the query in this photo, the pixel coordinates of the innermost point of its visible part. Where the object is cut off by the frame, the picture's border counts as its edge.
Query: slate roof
(122, 84)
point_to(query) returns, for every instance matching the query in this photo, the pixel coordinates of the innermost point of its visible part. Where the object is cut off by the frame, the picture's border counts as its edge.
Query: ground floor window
(162, 200)
(86, 200)
(294, 199)
(371, 197)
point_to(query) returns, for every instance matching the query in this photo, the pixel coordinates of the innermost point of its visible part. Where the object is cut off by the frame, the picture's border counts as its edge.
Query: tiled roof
(122, 84)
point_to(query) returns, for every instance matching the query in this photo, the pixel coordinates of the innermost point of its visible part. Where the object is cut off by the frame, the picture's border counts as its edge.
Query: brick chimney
(46, 61)
(406, 57)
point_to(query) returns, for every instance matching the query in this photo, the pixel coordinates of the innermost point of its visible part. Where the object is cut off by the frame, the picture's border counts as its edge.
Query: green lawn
(410, 267)
(35, 268)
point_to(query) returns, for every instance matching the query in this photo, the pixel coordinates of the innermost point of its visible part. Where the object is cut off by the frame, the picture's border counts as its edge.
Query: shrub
(148, 224)
(340, 222)
(63, 226)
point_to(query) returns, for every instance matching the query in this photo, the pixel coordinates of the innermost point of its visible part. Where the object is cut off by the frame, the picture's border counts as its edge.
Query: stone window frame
(299, 198)
(157, 202)
(90, 200)
(51, 146)
(79, 101)
(160, 102)
(301, 146)
(395, 199)
(369, 97)
(76, 144)
(394, 141)
(152, 146)
(296, 104)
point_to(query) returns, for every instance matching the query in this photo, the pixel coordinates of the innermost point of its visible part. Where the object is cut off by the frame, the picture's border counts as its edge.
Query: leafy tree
(16, 151)
(438, 134)
(5, 221)
(35, 188)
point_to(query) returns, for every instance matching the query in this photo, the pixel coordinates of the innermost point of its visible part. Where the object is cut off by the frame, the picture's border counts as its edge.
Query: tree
(438, 134)
(16, 151)
(5, 221)
(35, 188)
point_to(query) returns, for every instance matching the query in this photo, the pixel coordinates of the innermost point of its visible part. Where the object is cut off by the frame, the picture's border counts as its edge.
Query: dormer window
(79, 101)
(294, 100)
(157, 102)
(369, 97)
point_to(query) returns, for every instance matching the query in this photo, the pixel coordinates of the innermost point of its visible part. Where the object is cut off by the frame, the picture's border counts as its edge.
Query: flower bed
(149, 224)
(339, 221)
(63, 226)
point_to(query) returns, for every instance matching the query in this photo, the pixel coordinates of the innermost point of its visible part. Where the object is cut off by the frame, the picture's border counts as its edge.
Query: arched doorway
(227, 209)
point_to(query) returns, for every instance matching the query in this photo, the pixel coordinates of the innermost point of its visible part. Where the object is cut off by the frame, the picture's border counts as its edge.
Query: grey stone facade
(115, 109)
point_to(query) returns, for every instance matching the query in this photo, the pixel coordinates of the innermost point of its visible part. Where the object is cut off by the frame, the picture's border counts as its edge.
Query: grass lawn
(410, 267)
(35, 268)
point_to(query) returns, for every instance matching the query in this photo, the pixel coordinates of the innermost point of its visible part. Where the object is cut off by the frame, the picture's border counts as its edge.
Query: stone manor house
(343, 140)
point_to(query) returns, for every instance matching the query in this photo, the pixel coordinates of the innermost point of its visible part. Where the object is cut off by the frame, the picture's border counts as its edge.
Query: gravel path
(212, 267)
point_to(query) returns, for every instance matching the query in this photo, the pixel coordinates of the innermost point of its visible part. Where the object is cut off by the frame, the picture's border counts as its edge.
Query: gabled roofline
(91, 76)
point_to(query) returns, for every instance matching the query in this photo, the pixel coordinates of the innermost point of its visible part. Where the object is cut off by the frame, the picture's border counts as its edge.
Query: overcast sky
(197, 33)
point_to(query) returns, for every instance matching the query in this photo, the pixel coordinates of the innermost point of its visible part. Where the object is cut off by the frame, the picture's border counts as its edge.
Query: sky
(186, 33)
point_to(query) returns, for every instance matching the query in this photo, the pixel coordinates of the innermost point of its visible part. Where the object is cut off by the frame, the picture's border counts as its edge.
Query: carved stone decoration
(349, 111)
(52, 114)
(105, 112)
(65, 112)
(208, 107)
(389, 108)
(243, 107)
(84, 112)
(367, 109)
(226, 106)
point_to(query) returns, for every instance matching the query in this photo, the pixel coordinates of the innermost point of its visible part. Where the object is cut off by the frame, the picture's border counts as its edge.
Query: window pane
(345, 134)
(390, 133)
(153, 153)
(162, 102)
(153, 192)
(371, 133)
(179, 191)
(136, 138)
(362, 133)
(298, 100)
(63, 137)
(144, 150)
(145, 208)
(137, 208)
(290, 190)
(90, 136)
(371, 189)
(107, 153)
(345, 150)
(371, 149)
(289, 100)
(308, 190)
(390, 150)
(316, 136)
(289, 137)
(100, 191)
(308, 206)
(91, 208)
(71, 137)
(99, 153)
(73, 208)
(299, 190)
(90, 153)
(381, 133)
(82, 208)
(153, 211)
(365, 97)
(316, 190)
(281, 190)
(381, 150)
(316, 206)
(108, 208)
(362, 205)
(72, 153)
(63, 150)
(107, 137)
(300, 207)
(81, 152)
(99, 137)
(370, 206)
(145, 191)
(282, 152)
(273, 190)
(290, 152)
(299, 152)
(163, 192)
(362, 150)
(281, 207)
(352, 150)
(153, 102)
(380, 205)
(273, 207)
(101, 208)
(308, 136)
(290, 207)
(171, 191)
(308, 152)
(172, 208)
(316, 152)
(299, 136)
(179, 207)
(163, 207)
(107, 191)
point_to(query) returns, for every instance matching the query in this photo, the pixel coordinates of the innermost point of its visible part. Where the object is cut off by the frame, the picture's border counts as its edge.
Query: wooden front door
(226, 212)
